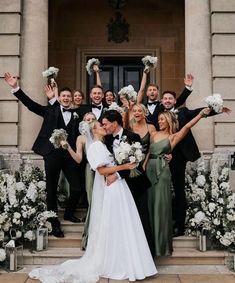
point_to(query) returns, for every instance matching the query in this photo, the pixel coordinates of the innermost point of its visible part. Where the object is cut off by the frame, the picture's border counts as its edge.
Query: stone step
(68, 226)
(180, 256)
(80, 212)
(185, 242)
(70, 240)
(191, 256)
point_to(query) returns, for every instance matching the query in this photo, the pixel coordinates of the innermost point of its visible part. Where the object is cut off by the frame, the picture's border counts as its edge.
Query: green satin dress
(159, 197)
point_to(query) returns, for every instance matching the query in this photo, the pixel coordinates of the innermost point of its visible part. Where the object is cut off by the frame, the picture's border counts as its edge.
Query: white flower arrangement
(149, 62)
(114, 106)
(128, 92)
(2, 255)
(211, 203)
(75, 115)
(51, 72)
(57, 136)
(91, 62)
(126, 152)
(22, 203)
(215, 101)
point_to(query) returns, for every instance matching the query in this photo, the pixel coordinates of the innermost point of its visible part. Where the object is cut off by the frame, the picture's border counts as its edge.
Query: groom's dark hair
(113, 116)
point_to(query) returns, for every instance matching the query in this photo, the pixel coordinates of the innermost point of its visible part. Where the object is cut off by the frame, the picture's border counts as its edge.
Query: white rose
(17, 215)
(29, 235)
(2, 255)
(132, 159)
(216, 221)
(211, 206)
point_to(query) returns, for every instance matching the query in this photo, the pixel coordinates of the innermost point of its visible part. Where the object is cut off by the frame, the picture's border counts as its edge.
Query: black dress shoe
(72, 218)
(57, 232)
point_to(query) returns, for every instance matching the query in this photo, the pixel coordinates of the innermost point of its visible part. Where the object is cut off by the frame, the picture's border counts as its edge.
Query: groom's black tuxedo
(138, 185)
(55, 159)
(153, 118)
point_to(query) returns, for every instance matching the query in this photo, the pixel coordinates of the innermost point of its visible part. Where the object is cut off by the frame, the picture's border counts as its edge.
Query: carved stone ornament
(118, 29)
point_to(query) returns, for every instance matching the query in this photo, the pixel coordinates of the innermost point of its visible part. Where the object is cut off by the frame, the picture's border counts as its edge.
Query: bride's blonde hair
(93, 126)
(171, 120)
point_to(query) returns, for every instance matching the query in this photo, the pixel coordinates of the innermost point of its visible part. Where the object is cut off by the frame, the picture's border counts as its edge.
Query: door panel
(116, 75)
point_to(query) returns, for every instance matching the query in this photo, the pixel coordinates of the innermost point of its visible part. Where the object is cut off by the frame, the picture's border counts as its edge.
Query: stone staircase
(61, 249)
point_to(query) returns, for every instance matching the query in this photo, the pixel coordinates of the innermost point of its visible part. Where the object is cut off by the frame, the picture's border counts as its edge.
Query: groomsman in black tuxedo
(59, 116)
(154, 104)
(96, 106)
(112, 123)
(186, 150)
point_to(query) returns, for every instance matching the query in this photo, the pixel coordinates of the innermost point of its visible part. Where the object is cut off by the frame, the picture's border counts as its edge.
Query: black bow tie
(116, 137)
(68, 110)
(96, 106)
(152, 103)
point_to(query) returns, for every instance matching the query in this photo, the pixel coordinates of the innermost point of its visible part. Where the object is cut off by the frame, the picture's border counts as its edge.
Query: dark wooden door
(117, 73)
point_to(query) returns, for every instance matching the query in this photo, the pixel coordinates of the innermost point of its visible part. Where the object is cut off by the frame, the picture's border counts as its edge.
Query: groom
(112, 123)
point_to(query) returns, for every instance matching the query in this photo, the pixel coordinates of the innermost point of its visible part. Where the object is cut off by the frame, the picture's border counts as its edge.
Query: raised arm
(177, 137)
(28, 102)
(188, 82)
(80, 143)
(140, 95)
(97, 74)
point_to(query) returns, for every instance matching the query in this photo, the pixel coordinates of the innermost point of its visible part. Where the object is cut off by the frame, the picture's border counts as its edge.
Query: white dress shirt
(116, 142)
(97, 112)
(66, 115)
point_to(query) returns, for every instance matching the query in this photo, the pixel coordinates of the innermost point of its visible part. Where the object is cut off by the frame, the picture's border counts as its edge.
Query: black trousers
(55, 162)
(178, 167)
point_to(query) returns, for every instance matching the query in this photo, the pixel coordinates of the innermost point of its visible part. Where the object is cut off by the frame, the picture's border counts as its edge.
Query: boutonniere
(175, 112)
(75, 115)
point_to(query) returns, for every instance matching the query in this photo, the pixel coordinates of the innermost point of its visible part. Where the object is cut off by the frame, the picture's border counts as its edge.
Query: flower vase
(202, 241)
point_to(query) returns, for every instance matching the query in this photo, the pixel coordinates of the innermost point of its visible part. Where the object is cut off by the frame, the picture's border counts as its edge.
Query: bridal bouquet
(215, 101)
(149, 62)
(57, 136)
(90, 64)
(51, 73)
(128, 92)
(126, 152)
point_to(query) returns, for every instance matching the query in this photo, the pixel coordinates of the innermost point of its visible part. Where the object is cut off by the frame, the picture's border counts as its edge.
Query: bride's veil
(85, 130)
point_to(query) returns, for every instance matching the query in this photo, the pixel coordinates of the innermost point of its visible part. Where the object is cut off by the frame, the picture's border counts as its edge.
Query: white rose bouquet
(90, 64)
(215, 101)
(149, 62)
(51, 73)
(57, 136)
(126, 152)
(128, 92)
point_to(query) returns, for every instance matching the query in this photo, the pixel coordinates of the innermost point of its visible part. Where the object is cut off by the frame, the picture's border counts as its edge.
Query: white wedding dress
(117, 247)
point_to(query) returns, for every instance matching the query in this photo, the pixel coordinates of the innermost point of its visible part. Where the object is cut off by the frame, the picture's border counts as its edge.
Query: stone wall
(83, 24)
(223, 67)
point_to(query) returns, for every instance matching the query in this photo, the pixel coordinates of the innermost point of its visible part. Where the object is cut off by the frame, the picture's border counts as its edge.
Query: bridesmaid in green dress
(158, 172)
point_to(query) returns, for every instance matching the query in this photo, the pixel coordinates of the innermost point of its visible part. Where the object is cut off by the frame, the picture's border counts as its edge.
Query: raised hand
(51, 92)
(226, 110)
(188, 80)
(96, 68)
(12, 81)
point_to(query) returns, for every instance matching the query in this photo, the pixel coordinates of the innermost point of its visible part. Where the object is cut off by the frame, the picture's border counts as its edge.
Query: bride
(117, 247)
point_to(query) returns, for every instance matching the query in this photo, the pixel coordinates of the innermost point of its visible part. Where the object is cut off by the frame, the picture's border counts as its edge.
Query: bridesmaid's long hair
(171, 120)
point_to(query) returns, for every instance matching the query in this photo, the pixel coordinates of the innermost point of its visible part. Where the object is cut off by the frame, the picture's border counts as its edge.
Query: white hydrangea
(2, 255)
(29, 235)
(200, 180)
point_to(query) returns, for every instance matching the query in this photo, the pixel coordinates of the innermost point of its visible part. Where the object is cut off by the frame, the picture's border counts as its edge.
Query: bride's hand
(130, 166)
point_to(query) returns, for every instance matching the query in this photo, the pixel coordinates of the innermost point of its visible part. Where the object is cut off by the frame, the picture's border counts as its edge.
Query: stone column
(198, 62)
(34, 50)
